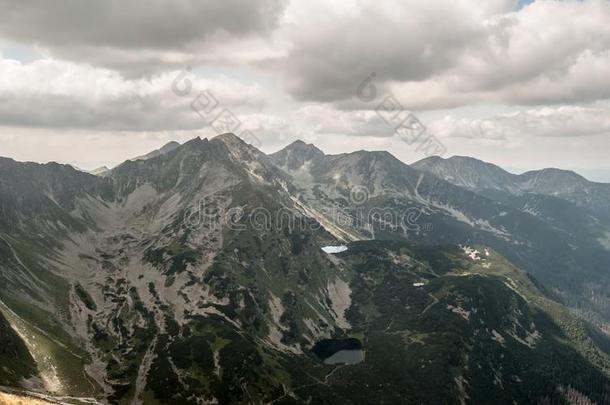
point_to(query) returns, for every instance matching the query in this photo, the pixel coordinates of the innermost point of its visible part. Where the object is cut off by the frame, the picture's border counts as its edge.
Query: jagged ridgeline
(210, 272)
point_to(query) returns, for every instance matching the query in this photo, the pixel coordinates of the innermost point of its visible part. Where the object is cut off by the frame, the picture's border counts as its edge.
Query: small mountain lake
(339, 351)
(346, 357)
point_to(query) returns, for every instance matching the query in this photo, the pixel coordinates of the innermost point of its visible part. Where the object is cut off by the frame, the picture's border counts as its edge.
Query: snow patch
(460, 311)
(334, 249)
(470, 252)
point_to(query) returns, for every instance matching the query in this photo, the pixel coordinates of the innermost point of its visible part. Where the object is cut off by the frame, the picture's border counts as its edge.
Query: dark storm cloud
(138, 24)
(403, 42)
(440, 54)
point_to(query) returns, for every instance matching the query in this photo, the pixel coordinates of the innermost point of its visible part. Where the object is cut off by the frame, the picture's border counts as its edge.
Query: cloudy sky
(518, 83)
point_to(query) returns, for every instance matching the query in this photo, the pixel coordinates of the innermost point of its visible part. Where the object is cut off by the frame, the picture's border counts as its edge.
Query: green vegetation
(173, 258)
(85, 297)
(180, 314)
(15, 353)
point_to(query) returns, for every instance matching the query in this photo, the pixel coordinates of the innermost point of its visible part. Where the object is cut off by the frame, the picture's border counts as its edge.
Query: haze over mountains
(196, 274)
(477, 175)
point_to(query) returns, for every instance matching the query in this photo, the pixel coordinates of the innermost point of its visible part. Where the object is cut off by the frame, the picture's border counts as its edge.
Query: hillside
(199, 274)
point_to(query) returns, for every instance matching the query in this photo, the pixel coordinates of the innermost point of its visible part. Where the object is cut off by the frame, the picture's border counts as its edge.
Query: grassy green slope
(16, 363)
(476, 330)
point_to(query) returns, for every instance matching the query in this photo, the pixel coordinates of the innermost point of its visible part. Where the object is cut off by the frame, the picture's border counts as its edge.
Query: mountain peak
(237, 145)
(552, 172)
(459, 158)
(229, 138)
(168, 147)
(468, 172)
(553, 181)
(302, 147)
(100, 171)
(428, 160)
(456, 162)
(296, 154)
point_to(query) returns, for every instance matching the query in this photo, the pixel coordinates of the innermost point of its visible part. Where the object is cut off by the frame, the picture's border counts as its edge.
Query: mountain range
(211, 272)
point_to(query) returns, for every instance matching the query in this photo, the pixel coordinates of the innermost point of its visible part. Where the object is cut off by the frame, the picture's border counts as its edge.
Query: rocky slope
(198, 276)
(373, 195)
(577, 211)
(477, 175)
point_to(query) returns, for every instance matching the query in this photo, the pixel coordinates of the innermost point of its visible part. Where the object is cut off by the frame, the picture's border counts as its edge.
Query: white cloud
(400, 40)
(137, 36)
(326, 120)
(551, 52)
(60, 94)
(563, 121)
(86, 149)
(290, 70)
(440, 54)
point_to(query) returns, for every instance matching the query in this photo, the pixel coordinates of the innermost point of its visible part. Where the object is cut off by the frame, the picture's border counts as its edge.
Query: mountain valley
(197, 274)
